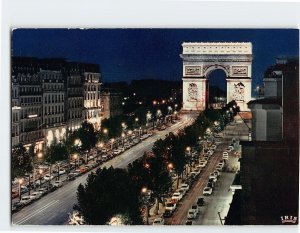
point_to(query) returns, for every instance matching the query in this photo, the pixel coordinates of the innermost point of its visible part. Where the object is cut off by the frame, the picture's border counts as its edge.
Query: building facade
(92, 103)
(53, 106)
(111, 103)
(27, 85)
(270, 164)
(48, 99)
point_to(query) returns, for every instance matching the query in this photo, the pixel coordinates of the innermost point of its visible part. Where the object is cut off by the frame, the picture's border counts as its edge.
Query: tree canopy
(107, 193)
(21, 161)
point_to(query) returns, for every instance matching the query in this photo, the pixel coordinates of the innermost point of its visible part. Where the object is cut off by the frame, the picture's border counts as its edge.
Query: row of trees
(105, 193)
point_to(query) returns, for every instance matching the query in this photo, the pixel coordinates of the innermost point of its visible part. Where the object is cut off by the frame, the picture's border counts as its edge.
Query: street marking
(36, 212)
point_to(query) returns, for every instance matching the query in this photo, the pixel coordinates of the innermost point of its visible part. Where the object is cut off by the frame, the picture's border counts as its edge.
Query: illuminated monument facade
(201, 58)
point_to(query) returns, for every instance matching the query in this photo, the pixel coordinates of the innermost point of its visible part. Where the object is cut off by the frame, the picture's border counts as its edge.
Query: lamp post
(112, 143)
(49, 181)
(105, 131)
(20, 182)
(188, 149)
(145, 202)
(130, 133)
(123, 137)
(75, 156)
(40, 178)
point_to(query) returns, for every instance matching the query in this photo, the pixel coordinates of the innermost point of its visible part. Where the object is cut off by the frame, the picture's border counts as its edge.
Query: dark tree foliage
(107, 193)
(21, 161)
(178, 155)
(87, 136)
(56, 152)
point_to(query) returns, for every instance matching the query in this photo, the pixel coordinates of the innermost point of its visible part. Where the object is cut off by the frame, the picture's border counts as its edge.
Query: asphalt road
(53, 209)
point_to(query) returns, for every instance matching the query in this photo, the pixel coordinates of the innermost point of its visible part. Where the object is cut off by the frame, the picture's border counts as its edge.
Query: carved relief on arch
(208, 68)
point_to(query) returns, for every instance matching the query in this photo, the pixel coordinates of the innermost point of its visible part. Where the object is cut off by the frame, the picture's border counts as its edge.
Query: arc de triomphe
(201, 58)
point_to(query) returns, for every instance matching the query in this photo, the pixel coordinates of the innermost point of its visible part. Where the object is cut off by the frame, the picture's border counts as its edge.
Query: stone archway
(199, 59)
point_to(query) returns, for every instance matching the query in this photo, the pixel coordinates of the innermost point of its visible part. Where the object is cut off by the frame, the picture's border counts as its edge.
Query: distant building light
(32, 116)
(123, 103)
(16, 108)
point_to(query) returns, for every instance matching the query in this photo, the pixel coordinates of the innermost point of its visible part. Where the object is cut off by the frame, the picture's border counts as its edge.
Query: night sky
(126, 54)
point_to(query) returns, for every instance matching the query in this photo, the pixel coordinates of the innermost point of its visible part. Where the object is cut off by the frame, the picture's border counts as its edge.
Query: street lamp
(20, 182)
(188, 149)
(41, 173)
(170, 166)
(123, 137)
(112, 143)
(145, 202)
(75, 156)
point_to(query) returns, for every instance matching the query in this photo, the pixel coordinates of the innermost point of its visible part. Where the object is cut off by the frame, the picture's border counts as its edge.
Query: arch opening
(216, 88)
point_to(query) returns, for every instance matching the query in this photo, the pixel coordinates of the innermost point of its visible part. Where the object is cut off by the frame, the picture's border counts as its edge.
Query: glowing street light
(144, 190)
(112, 143)
(105, 131)
(170, 166)
(20, 181)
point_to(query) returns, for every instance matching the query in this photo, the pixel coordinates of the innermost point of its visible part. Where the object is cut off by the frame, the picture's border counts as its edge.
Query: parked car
(211, 185)
(62, 171)
(43, 191)
(14, 194)
(167, 213)
(158, 221)
(171, 206)
(195, 207)
(225, 157)
(200, 165)
(35, 195)
(201, 201)
(48, 177)
(25, 200)
(213, 147)
(177, 196)
(191, 214)
(57, 183)
(217, 173)
(213, 176)
(71, 177)
(16, 206)
(207, 191)
(189, 222)
(185, 187)
(219, 167)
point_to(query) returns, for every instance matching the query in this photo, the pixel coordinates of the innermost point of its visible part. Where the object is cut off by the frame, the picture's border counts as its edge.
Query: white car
(104, 150)
(177, 196)
(42, 191)
(117, 151)
(217, 173)
(201, 165)
(213, 147)
(62, 171)
(48, 177)
(210, 152)
(35, 195)
(207, 191)
(219, 167)
(25, 200)
(213, 176)
(196, 172)
(225, 157)
(185, 187)
(57, 184)
(158, 221)
(170, 206)
(225, 153)
(231, 148)
(192, 214)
